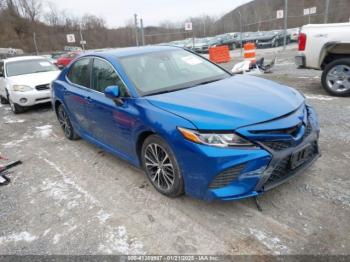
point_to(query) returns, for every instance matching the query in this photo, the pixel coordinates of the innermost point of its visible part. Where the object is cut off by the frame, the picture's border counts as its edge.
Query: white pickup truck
(327, 47)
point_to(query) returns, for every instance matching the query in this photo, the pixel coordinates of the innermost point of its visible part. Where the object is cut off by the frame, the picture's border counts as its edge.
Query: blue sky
(117, 12)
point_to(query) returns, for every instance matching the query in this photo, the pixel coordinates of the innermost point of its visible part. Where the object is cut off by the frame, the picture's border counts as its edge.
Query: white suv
(25, 81)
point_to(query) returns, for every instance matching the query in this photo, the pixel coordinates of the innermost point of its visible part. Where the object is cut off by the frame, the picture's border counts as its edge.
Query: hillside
(261, 14)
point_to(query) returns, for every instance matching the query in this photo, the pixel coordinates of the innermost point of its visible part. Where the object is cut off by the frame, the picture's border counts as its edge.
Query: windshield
(29, 67)
(168, 71)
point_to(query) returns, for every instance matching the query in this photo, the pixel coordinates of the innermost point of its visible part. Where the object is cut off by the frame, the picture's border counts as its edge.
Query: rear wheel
(66, 124)
(161, 167)
(336, 77)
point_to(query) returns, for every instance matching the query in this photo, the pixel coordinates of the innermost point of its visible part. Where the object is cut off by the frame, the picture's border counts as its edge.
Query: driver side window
(104, 75)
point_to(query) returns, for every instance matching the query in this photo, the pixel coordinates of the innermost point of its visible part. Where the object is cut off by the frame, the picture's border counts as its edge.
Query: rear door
(77, 93)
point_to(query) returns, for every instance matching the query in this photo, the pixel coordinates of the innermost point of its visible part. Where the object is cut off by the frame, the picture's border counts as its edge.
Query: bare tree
(31, 9)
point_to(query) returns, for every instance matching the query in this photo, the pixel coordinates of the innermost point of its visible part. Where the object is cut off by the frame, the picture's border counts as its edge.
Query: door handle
(88, 98)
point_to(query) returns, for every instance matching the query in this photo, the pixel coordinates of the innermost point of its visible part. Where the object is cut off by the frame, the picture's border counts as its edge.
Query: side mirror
(112, 92)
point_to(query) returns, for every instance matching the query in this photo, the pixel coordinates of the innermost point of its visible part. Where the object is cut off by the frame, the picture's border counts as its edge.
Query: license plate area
(299, 157)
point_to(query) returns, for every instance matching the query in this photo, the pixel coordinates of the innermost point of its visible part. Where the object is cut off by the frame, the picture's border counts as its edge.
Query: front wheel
(161, 167)
(336, 77)
(16, 109)
(3, 100)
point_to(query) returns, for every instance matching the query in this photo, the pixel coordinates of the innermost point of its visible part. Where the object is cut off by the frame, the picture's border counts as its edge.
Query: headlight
(21, 88)
(215, 139)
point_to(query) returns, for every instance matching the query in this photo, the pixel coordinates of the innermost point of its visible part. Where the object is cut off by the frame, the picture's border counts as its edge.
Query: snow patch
(118, 241)
(272, 243)
(103, 216)
(23, 236)
(17, 142)
(308, 77)
(320, 97)
(46, 232)
(115, 240)
(44, 131)
(56, 239)
(9, 120)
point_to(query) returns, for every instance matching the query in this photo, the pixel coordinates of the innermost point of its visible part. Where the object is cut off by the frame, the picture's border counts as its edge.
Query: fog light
(23, 100)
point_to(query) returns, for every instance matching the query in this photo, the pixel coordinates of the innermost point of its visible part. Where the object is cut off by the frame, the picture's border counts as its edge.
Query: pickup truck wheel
(336, 77)
(233, 46)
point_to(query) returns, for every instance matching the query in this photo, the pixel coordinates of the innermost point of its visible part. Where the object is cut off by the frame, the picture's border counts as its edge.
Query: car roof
(130, 51)
(21, 58)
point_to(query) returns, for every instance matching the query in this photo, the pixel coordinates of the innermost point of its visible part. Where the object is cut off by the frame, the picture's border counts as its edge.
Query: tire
(15, 108)
(336, 77)
(161, 167)
(3, 100)
(233, 46)
(65, 123)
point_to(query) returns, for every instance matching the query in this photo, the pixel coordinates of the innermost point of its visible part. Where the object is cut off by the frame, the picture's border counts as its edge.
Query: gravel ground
(72, 198)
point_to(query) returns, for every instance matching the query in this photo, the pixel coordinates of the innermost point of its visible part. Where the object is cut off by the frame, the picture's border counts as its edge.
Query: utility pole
(142, 32)
(36, 46)
(241, 30)
(326, 12)
(285, 24)
(136, 30)
(82, 42)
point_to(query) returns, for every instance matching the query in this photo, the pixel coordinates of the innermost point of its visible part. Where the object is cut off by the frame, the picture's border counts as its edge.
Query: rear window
(80, 72)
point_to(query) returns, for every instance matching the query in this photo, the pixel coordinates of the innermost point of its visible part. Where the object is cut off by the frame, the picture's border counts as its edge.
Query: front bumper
(32, 97)
(250, 171)
(300, 61)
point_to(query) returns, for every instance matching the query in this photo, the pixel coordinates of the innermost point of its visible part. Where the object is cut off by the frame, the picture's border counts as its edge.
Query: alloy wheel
(64, 121)
(338, 78)
(159, 167)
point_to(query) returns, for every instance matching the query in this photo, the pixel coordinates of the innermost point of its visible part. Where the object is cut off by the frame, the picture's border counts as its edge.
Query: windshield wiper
(178, 89)
(208, 82)
(161, 92)
(42, 71)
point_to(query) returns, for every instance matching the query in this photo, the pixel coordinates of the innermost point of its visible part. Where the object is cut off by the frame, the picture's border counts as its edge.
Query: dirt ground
(72, 198)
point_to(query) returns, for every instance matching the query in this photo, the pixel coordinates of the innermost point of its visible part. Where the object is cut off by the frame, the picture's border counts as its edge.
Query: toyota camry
(193, 127)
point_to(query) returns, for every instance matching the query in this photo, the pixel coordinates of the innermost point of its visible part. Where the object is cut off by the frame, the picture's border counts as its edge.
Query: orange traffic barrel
(219, 54)
(249, 52)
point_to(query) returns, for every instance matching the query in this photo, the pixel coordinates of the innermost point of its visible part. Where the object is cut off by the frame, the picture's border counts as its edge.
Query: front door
(111, 124)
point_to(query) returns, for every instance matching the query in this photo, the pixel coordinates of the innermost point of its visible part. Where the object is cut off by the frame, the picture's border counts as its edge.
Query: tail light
(302, 41)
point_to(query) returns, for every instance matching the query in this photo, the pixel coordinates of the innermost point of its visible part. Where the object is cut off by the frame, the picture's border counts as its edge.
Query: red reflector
(302, 42)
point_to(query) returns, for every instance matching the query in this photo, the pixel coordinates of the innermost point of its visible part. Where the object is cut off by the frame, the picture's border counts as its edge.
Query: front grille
(42, 99)
(282, 145)
(283, 168)
(278, 145)
(226, 177)
(293, 131)
(42, 87)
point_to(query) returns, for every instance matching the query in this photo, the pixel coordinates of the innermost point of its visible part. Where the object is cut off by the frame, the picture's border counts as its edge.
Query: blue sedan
(190, 125)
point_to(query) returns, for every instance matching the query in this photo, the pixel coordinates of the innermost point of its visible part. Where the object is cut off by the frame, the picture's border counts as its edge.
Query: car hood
(230, 103)
(266, 37)
(34, 79)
